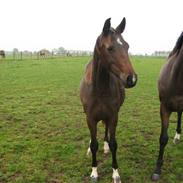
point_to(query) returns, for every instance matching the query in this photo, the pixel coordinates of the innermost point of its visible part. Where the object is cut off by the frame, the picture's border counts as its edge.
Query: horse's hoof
(155, 177)
(176, 141)
(94, 179)
(176, 138)
(117, 180)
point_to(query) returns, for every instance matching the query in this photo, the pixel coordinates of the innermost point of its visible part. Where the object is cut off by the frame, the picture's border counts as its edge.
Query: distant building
(44, 52)
(161, 53)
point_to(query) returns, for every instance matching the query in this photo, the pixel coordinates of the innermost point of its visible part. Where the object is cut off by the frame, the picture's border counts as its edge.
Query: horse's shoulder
(88, 73)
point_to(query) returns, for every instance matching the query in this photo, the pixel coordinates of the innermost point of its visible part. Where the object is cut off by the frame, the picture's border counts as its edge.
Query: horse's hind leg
(178, 130)
(92, 125)
(113, 148)
(165, 114)
(88, 150)
(106, 139)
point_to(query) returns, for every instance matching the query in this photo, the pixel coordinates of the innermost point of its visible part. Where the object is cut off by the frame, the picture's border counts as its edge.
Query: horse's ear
(107, 26)
(121, 27)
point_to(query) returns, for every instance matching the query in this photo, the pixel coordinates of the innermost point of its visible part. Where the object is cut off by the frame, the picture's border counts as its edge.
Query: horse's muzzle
(131, 80)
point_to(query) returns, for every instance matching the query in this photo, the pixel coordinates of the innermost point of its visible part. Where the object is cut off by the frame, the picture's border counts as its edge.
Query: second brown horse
(170, 87)
(102, 89)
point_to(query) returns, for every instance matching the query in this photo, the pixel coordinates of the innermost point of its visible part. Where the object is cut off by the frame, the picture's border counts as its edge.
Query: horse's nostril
(131, 80)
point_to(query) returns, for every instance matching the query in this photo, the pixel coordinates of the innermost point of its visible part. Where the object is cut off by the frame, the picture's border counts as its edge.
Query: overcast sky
(75, 24)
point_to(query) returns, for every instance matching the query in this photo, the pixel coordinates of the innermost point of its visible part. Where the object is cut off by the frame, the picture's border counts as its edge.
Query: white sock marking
(89, 150)
(115, 173)
(176, 138)
(106, 147)
(94, 173)
(115, 176)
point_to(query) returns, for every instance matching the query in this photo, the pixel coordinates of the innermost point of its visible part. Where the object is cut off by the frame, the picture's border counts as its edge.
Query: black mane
(100, 75)
(178, 45)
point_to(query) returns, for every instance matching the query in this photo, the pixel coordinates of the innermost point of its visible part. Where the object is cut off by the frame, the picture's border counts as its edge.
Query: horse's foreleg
(178, 130)
(93, 147)
(113, 148)
(165, 114)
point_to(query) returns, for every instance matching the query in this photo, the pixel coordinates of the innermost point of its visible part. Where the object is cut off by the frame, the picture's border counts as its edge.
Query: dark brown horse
(44, 53)
(102, 89)
(2, 53)
(170, 87)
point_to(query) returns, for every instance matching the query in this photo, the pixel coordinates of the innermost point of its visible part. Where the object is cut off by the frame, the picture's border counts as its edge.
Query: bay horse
(170, 86)
(102, 90)
(2, 53)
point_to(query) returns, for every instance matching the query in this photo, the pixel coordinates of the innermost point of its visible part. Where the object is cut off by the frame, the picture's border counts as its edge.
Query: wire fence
(38, 56)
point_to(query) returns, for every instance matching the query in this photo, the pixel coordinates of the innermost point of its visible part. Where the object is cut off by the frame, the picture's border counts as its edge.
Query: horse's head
(112, 50)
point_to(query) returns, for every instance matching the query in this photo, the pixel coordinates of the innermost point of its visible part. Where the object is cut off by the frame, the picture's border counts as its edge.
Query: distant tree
(15, 50)
(61, 51)
(26, 52)
(55, 51)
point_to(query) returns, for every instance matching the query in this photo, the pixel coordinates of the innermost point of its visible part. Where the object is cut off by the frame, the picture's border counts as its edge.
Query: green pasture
(43, 132)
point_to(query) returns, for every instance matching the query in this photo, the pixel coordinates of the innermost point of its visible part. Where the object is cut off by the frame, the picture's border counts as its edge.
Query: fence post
(21, 55)
(37, 55)
(14, 56)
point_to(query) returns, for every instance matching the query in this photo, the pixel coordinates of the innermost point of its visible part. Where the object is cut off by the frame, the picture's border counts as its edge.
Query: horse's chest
(106, 104)
(103, 108)
(176, 103)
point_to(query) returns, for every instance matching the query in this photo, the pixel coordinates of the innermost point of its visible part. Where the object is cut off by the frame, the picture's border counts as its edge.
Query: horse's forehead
(113, 37)
(116, 38)
(112, 30)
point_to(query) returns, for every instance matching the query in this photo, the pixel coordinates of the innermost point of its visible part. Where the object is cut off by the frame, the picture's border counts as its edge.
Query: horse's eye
(110, 48)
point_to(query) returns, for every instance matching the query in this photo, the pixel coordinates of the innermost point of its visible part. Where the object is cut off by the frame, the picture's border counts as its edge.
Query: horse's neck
(175, 76)
(101, 77)
(178, 68)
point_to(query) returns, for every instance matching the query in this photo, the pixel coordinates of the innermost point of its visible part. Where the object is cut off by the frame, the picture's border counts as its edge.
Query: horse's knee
(113, 144)
(94, 146)
(163, 140)
(178, 130)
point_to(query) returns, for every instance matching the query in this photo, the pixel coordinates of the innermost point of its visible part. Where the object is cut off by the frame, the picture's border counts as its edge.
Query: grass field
(43, 132)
